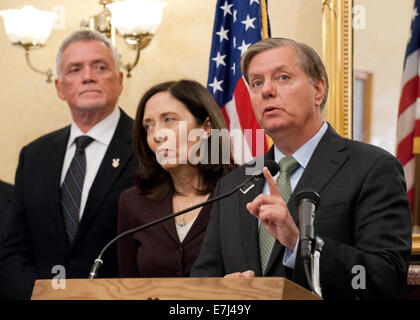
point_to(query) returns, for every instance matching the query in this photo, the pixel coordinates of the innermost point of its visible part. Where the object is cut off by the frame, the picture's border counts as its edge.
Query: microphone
(271, 165)
(245, 186)
(307, 202)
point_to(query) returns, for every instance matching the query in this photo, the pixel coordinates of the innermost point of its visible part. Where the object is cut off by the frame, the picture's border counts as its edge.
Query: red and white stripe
(409, 120)
(239, 115)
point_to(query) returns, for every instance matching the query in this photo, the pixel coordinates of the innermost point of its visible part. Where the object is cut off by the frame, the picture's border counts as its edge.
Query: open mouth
(270, 109)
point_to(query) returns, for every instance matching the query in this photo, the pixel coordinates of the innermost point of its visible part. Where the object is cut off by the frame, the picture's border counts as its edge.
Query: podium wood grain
(173, 289)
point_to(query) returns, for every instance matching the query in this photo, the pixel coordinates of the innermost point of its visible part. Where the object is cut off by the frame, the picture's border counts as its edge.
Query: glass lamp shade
(134, 17)
(28, 25)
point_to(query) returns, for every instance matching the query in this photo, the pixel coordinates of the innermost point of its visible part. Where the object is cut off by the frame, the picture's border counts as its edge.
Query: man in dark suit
(6, 194)
(68, 182)
(363, 216)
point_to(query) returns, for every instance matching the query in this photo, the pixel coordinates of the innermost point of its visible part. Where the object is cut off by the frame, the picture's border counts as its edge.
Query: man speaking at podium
(363, 217)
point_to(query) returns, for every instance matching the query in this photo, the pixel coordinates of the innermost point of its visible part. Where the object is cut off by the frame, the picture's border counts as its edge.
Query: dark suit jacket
(363, 218)
(36, 240)
(6, 194)
(157, 251)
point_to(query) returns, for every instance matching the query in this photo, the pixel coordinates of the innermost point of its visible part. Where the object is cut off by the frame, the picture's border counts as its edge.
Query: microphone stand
(312, 263)
(315, 255)
(244, 187)
(307, 202)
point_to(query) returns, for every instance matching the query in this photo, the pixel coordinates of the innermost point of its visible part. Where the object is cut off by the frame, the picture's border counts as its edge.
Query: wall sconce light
(136, 21)
(29, 28)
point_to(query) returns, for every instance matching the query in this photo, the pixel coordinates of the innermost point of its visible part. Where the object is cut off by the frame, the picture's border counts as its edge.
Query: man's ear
(320, 89)
(120, 80)
(59, 89)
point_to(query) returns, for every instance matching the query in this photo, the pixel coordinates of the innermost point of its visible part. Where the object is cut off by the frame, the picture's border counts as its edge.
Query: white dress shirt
(302, 156)
(102, 134)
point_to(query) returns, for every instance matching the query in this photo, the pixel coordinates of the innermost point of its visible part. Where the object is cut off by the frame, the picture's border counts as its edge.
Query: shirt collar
(304, 153)
(101, 132)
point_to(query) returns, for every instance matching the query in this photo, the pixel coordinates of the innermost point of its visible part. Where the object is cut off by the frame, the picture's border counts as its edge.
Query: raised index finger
(272, 185)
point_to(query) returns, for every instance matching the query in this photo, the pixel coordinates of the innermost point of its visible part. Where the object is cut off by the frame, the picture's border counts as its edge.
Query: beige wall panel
(379, 47)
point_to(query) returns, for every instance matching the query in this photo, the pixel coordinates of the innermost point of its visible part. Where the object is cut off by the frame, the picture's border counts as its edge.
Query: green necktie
(287, 166)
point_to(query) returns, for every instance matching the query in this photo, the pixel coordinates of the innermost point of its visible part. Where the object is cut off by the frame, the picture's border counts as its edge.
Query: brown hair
(308, 59)
(152, 180)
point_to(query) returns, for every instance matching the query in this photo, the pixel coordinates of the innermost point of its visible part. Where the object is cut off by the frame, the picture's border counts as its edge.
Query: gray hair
(85, 35)
(308, 59)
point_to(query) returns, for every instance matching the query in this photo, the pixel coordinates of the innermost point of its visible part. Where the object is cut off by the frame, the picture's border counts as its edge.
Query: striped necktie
(71, 190)
(287, 166)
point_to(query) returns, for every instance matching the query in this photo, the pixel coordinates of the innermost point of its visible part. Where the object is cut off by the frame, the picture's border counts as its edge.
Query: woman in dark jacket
(177, 126)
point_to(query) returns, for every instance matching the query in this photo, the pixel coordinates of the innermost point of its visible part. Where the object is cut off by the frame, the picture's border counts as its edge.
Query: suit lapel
(199, 225)
(119, 148)
(162, 209)
(327, 159)
(54, 158)
(249, 224)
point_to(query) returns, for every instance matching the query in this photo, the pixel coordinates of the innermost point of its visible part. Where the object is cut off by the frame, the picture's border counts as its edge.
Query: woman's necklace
(181, 221)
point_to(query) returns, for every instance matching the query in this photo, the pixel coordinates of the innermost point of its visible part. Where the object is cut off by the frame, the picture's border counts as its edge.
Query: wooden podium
(269, 288)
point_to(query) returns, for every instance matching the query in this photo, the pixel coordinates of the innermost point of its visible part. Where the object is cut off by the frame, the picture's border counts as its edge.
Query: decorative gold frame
(337, 51)
(415, 250)
(367, 79)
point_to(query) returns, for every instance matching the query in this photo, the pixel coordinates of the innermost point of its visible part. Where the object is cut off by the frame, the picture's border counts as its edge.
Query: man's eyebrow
(70, 65)
(100, 61)
(75, 63)
(277, 69)
(79, 63)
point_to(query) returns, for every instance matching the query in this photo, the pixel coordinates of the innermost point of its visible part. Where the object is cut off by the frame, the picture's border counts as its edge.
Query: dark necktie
(287, 166)
(71, 190)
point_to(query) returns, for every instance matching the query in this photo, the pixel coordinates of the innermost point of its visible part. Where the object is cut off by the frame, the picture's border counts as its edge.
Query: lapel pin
(115, 162)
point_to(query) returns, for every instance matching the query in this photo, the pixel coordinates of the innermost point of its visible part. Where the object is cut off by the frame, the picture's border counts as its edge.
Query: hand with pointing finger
(273, 213)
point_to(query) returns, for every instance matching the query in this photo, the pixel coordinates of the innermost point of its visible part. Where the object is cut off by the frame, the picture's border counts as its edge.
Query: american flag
(237, 25)
(408, 128)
